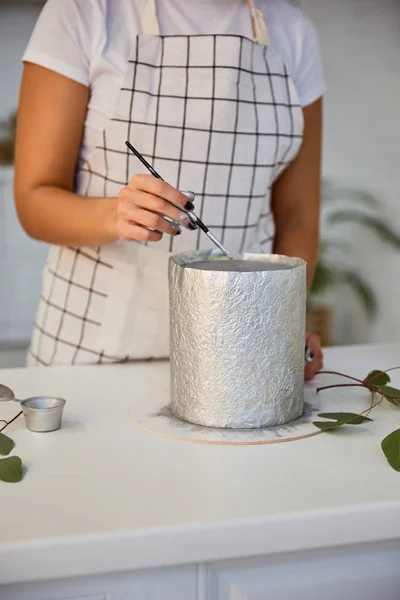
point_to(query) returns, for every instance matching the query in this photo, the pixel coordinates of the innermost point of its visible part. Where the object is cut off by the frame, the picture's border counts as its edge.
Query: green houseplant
(343, 206)
(7, 139)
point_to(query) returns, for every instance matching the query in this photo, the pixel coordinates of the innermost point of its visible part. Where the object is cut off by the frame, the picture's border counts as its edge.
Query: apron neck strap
(260, 31)
(149, 18)
(150, 24)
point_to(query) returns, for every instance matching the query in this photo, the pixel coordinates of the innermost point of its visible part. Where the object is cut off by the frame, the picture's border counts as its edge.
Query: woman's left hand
(317, 363)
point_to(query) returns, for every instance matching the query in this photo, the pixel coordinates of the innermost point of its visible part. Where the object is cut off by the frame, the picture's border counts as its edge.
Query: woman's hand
(142, 206)
(317, 363)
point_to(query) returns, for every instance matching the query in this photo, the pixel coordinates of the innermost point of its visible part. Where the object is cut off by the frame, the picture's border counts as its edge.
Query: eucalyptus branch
(340, 375)
(7, 423)
(377, 383)
(339, 385)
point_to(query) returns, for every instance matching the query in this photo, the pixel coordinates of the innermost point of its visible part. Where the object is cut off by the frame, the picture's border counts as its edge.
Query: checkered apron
(215, 114)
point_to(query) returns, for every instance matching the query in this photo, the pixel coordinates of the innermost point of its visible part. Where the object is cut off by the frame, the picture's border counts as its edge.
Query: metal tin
(237, 342)
(6, 394)
(43, 413)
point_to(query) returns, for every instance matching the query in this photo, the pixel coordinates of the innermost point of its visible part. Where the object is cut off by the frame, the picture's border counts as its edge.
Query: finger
(189, 206)
(318, 365)
(315, 352)
(133, 199)
(162, 189)
(308, 373)
(132, 232)
(313, 340)
(312, 368)
(153, 221)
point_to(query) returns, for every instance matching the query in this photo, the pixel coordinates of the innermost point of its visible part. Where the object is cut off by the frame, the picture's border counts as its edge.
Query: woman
(222, 98)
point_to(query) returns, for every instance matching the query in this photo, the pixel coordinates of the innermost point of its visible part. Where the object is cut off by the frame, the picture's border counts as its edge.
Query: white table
(108, 511)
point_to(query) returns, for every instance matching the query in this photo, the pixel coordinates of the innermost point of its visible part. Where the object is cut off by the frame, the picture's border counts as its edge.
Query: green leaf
(391, 449)
(11, 469)
(327, 276)
(390, 393)
(360, 287)
(6, 445)
(324, 278)
(345, 417)
(334, 192)
(327, 425)
(339, 419)
(375, 378)
(372, 222)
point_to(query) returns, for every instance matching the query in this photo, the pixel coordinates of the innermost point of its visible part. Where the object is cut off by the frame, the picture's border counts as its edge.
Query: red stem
(341, 375)
(358, 384)
(12, 420)
(391, 369)
(339, 385)
(368, 410)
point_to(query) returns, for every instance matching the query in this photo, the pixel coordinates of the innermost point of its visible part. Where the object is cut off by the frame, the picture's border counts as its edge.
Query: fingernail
(178, 231)
(189, 205)
(189, 195)
(184, 217)
(187, 221)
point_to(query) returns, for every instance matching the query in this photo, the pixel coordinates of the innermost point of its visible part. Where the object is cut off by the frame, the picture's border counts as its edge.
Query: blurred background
(355, 297)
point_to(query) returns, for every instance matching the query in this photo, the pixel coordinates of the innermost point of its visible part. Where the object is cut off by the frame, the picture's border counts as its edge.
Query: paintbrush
(191, 214)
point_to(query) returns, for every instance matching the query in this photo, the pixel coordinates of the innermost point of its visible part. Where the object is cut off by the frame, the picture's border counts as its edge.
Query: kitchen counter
(102, 496)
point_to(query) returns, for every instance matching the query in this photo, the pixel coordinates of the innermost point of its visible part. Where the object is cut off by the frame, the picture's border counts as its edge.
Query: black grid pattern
(217, 115)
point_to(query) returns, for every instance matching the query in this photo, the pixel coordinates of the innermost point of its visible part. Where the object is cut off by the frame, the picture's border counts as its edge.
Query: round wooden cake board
(154, 415)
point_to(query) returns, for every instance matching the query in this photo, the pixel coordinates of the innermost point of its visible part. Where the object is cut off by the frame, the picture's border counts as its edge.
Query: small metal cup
(43, 413)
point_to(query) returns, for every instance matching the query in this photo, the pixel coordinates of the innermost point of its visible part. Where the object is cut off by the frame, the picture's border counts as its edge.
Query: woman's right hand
(51, 117)
(143, 203)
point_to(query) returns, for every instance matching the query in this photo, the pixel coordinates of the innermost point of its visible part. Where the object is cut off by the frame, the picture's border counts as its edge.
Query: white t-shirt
(90, 41)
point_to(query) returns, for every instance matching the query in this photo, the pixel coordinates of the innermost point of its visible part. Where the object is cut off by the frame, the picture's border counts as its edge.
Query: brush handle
(191, 214)
(144, 161)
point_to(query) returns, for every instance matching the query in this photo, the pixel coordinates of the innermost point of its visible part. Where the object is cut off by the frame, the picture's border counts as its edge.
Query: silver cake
(237, 340)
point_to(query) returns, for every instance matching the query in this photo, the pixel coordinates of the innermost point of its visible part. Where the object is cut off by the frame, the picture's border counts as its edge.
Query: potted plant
(342, 206)
(7, 140)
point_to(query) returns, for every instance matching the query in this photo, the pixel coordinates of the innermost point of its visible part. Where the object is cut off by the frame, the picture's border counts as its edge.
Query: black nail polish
(178, 232)
(192, 226)
(189, 205)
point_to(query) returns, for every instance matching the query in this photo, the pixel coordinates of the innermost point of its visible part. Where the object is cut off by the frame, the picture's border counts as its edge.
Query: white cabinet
(157, 584)
(369, 572)
(339, 574)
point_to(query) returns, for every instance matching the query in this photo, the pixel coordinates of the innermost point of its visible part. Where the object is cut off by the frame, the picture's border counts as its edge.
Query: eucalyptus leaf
(327, 425)
(338, 419)
(391, 449)
(391, 394)
(6, 445)
(375, 378)
(11, 469)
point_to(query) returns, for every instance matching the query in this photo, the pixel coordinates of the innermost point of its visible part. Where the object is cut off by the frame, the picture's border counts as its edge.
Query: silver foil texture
(237, 342)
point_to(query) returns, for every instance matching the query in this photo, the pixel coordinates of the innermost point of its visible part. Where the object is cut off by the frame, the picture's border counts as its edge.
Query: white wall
(360, 42)
(21, 264)
(21, 259)
(16, 24)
